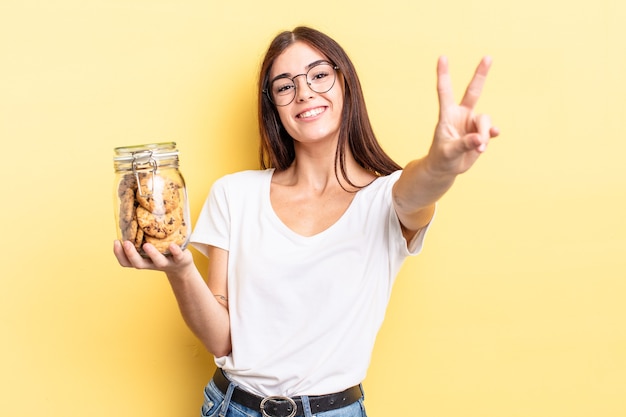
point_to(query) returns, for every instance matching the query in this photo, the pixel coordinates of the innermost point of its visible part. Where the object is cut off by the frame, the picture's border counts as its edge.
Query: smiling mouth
(311, 113)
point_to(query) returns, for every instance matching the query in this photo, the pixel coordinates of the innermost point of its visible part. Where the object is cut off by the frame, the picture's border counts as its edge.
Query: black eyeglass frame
(268, 93)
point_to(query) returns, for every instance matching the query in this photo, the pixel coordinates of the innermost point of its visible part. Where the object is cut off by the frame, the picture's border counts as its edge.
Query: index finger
(475, 87)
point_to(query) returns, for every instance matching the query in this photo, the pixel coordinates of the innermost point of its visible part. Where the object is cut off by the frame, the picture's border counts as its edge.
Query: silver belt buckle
(293, 404)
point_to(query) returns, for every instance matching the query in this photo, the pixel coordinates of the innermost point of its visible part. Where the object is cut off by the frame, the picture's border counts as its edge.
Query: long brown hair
(277, 146)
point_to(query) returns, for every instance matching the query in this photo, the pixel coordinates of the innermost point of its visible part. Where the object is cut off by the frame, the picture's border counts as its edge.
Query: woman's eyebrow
(308, 67)
(314, 63)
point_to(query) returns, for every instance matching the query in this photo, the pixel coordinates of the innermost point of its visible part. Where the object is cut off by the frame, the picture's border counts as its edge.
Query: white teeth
(311, 113)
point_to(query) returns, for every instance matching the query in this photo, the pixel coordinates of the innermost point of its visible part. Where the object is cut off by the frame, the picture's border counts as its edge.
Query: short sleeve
(213, 224)
(415, 245)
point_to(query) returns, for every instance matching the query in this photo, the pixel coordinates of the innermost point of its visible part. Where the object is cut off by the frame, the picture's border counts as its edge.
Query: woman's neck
(318, 170)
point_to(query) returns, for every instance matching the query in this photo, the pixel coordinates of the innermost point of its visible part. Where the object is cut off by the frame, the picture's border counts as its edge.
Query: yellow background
(516, 306)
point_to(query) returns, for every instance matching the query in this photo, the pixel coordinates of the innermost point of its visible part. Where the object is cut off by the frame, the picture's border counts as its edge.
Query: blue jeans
(217, 404)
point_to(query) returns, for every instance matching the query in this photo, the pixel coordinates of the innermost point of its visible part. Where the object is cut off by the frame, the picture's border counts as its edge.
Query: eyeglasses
(320, 78)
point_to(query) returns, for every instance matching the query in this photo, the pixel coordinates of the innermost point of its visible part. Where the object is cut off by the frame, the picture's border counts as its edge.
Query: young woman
(304, 252)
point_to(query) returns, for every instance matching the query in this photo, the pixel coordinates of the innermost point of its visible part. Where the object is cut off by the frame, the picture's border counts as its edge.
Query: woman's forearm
(205, 316)
(416, 192)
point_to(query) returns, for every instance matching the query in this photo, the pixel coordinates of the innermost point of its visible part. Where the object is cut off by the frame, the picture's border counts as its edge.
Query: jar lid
(152, 150)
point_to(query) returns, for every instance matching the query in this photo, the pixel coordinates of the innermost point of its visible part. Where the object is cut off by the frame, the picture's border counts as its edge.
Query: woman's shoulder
(384, 181)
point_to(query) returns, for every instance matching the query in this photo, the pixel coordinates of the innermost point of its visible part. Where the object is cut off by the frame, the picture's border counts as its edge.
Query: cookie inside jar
(152, 203)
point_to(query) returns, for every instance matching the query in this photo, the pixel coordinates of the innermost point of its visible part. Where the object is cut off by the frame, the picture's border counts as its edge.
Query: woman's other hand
(461, 135)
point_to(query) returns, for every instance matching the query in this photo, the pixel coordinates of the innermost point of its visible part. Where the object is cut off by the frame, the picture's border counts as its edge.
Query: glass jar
(150, 197)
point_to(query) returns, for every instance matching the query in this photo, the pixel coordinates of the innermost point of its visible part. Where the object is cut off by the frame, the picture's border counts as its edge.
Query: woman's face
(310, 117)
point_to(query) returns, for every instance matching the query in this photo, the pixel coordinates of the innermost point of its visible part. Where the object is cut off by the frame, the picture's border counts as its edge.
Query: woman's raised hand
(460, 136)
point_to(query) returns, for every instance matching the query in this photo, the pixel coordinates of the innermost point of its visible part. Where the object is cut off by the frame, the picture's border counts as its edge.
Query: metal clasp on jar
(141, 161)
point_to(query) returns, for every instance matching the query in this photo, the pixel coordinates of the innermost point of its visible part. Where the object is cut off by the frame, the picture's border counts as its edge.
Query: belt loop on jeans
(306, 406)
(227, 397)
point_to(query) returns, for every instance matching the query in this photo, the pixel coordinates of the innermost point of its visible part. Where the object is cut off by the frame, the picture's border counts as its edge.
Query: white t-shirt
(304, 311)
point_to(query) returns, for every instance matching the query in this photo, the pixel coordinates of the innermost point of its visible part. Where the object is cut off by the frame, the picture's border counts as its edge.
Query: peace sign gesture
(460, 136)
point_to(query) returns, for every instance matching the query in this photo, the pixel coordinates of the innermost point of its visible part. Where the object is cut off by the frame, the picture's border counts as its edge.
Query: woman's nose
(303, 90)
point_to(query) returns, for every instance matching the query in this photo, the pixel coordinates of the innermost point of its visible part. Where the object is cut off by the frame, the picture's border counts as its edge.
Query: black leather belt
(279, 406)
